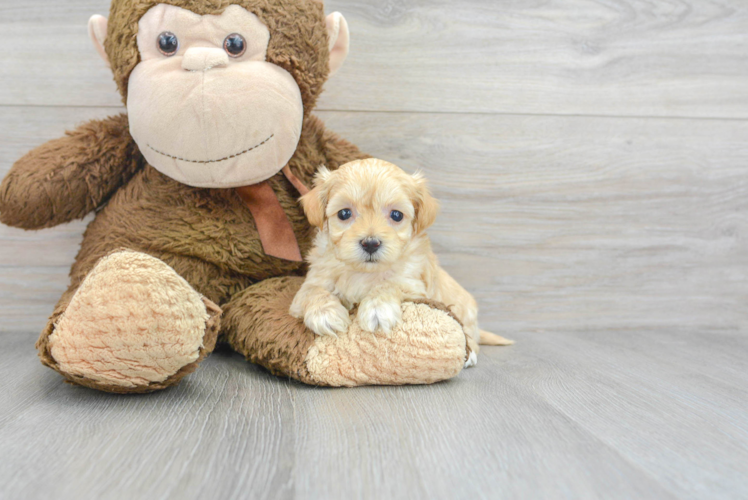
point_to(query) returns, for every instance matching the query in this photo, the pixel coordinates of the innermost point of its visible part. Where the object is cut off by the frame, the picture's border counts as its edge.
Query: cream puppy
(372, 250)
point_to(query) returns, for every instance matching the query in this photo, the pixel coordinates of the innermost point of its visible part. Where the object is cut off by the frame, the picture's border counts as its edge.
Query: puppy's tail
(487, 338)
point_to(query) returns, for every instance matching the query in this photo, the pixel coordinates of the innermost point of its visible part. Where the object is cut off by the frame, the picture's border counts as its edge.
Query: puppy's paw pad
(379, 314)
(329, 319)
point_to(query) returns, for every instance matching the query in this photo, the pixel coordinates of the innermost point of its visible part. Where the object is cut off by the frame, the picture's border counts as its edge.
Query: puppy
(372, 250)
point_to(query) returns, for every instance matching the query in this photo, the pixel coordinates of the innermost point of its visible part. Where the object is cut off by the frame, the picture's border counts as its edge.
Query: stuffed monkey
(198, 235)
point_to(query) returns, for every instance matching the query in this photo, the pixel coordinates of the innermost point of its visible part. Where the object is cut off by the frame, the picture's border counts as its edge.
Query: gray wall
(591, 156)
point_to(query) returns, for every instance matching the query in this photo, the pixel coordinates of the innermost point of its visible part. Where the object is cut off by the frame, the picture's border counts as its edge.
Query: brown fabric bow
(275, 230)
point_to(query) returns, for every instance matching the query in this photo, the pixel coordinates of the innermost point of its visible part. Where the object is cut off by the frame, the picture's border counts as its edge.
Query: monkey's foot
(134, 325)
(427, 346)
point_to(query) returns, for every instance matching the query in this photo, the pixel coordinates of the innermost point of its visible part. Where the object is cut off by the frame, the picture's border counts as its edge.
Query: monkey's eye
(345, 214)
(235, 45)
(168, 43)
(396, 215)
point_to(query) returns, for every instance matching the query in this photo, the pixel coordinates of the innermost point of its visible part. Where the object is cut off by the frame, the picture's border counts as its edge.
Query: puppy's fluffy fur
(361, 203)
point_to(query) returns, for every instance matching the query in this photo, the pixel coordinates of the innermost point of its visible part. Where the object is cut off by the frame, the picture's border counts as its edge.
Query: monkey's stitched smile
(212, 161)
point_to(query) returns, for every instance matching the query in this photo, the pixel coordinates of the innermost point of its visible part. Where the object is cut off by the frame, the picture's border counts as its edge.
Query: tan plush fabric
(428, 346)
(228, 121)
(337, 28)
(132, 322)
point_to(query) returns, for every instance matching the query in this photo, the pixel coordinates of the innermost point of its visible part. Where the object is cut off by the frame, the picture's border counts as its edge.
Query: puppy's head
(371, 210)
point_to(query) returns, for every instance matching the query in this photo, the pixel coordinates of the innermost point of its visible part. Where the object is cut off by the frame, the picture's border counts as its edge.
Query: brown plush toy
(195, 192)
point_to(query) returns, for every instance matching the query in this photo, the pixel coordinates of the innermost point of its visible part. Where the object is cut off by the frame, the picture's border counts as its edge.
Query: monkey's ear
(340, 38)
(97, 26)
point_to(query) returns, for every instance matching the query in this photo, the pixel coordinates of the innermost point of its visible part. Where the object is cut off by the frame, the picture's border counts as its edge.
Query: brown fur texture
(257, 325)
(207, 236)
(67, 178)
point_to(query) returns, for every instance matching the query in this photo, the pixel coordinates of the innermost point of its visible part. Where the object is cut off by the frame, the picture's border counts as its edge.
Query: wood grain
(565, 415)
(175, 444)
(552, 222)
(634, 392)
(592, 57)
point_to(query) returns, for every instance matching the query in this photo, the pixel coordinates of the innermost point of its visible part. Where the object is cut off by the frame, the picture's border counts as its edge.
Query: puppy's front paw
(330, 318)
(376, 313)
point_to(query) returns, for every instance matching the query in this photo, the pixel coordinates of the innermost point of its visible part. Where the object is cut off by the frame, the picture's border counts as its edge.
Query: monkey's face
(205, 106)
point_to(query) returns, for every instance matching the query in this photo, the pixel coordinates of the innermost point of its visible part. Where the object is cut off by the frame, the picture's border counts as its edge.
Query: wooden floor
(611, 414)
(591, 157)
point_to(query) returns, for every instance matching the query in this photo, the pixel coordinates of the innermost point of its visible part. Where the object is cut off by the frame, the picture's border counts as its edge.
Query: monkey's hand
(67, 178)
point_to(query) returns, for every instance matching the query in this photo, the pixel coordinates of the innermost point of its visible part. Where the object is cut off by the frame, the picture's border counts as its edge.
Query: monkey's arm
(67, 178)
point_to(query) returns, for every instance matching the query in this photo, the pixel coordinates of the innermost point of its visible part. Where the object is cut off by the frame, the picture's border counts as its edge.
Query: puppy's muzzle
(371, 245)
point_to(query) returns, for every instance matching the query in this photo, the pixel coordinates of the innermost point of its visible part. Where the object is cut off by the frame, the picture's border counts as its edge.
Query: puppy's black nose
(371, 245)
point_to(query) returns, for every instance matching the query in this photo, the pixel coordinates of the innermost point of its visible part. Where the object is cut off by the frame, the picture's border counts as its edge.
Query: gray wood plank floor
(591, 157)
(611, 414)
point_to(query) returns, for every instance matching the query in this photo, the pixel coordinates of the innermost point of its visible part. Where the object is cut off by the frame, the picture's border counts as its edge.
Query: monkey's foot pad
(134, 325)
(428, 346)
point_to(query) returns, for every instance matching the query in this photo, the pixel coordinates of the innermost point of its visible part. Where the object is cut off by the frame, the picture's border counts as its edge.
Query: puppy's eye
(345, 214)
(396, 215)
(168, 43)
(235, 45)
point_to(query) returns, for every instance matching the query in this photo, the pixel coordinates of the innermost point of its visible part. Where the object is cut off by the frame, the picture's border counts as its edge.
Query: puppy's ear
(315, 201)
(426, 206)
(314, 207)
